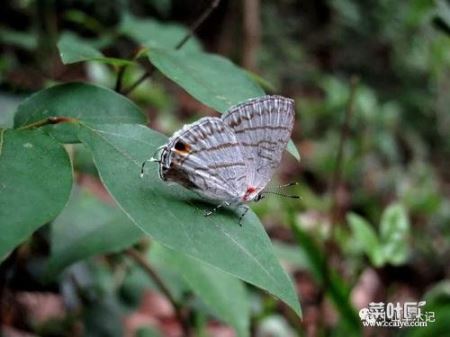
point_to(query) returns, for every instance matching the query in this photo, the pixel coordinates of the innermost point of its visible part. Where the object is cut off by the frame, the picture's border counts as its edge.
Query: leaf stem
(119, 79)
(203, 16)
(141, 79)
(143, 263)
(49, 121)
(208, 10)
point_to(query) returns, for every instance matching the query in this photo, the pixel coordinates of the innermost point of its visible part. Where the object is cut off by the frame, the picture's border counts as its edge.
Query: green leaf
(35, 183)
(443, 11)
(223, 293)
(315, 258)
(292, 149)
(25, 40)
(88, 227)
(212, 79)
(366, 238)
(291, 254)
(173, 215)
(84, 102)
(103, 317)
(73, 49)
(394, 233)
(265, 84)
(9, 104)
(153, 34)
(438, 305)
(82, 160)
(147, 332)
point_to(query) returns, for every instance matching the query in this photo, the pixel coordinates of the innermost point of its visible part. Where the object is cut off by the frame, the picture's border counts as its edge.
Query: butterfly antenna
(288, 185)
(282, 194)
(143, 165)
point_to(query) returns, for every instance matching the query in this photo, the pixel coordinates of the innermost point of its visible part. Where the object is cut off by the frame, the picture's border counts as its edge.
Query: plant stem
(337, 173)
(119, 79)
(145, 265)
(141, 79)
(213, 4)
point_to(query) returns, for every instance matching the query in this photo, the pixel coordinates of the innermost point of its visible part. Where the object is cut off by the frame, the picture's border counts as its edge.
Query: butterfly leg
(246, 208)
(214, 210)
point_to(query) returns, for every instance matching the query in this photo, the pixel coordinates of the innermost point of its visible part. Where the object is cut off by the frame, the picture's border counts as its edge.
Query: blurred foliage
(389, 217)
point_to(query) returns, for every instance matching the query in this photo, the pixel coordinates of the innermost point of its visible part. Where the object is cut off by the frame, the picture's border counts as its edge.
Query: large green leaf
(35, 183)
(394, 232)
(153, 34)
(88, 227)
(173, 215)
(73, 49)
(223, 293)
(212, 79)
(83, 102)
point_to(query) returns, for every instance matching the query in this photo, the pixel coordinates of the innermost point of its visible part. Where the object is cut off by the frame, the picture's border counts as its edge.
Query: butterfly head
(156, 157)
(172, 153)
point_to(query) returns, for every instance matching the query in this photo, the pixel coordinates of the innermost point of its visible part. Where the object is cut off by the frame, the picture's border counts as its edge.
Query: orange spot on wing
(182, 148)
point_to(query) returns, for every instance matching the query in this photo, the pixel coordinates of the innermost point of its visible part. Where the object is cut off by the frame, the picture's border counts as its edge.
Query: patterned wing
(263, 126)
(206, 157)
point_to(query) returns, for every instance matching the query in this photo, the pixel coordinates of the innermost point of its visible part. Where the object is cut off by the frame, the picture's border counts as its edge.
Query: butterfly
(230, 160)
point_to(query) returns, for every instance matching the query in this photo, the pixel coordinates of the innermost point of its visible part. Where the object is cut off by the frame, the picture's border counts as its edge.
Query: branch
(213, 4)
(143, 263)
(252, 33)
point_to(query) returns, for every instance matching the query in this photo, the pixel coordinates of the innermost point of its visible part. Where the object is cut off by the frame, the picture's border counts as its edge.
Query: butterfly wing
(263, 127)
(206, 157)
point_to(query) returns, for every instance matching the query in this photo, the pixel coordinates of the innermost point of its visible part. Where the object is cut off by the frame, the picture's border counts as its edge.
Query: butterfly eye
(182, 147)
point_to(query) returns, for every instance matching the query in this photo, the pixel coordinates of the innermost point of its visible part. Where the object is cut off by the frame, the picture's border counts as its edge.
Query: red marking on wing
(248, 192)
